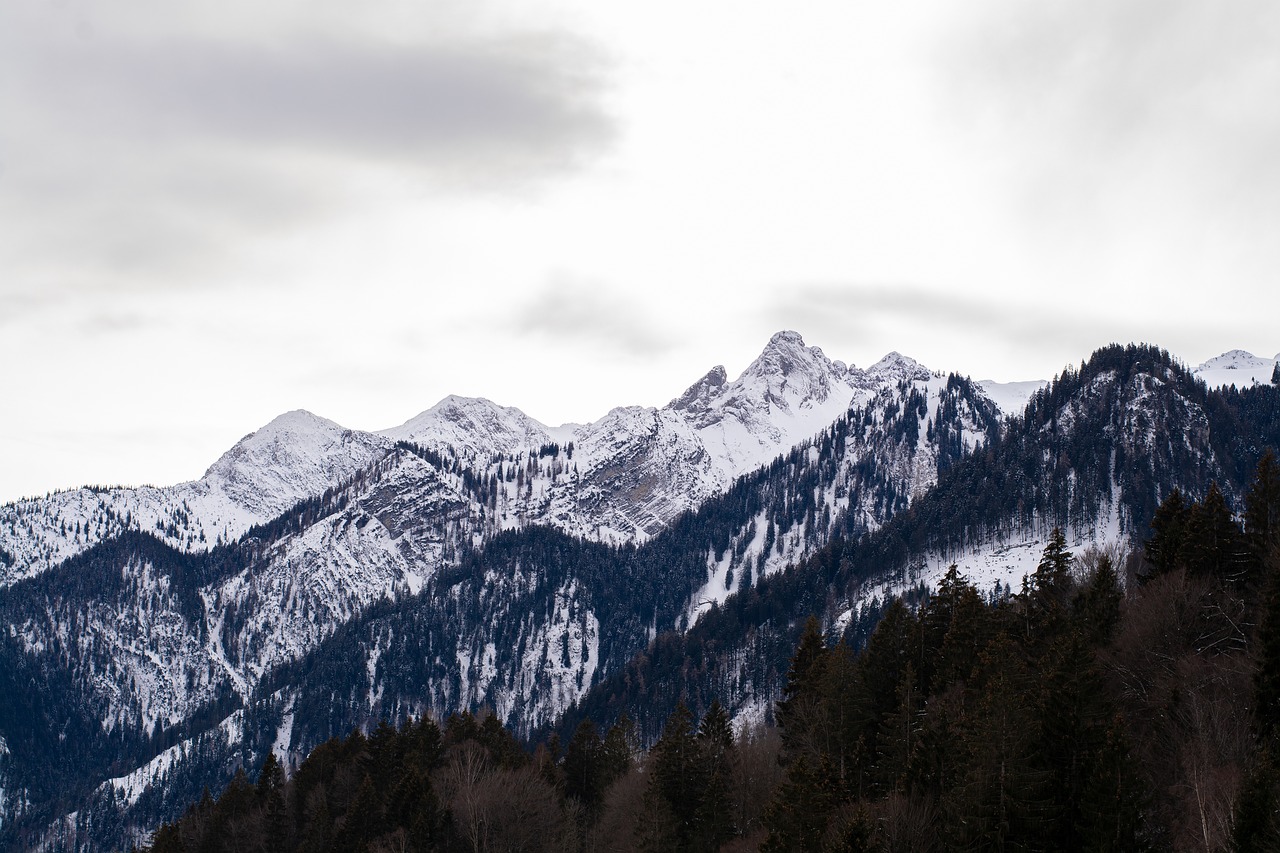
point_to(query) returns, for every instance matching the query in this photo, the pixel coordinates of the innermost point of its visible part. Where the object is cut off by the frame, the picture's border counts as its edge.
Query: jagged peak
(786, 336)
(697, 395)
(896, 367)
(785, 354)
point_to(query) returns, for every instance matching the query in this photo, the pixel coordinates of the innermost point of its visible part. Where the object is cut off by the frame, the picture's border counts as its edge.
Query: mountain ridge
(437, 577)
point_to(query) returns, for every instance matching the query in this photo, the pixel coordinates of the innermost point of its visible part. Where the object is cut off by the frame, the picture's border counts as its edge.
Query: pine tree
(676, 783)
(1212, 545)
(715, 813)
(1048, 586)
(617, 749)
(1112, 817)
(1098, 605)
(799, 710)
(1168, 528)
(584, 766)
(797, 818)
(1262, 508)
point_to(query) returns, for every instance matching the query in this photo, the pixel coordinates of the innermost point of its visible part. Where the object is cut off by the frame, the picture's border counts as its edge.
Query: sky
(215, 212)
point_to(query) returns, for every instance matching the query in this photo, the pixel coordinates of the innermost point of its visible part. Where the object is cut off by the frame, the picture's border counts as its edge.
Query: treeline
(1070, 716)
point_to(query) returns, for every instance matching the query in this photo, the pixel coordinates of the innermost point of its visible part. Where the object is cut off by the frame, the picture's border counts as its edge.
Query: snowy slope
(1011, 397)
(619, 479)
(401, 520)
(294, 457)
(1238, 368)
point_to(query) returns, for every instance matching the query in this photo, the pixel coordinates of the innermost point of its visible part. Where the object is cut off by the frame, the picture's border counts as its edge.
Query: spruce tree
(1257, 825)
(618, 753)
(676, 783)
(798, 712)
(1072, 717)
(1002, 803)
(797, 818)
(1098, 605)
(584, 766)
(715, 812)
(1212, 546)
(1114, 805)
(1262, 508)
(1267, 677)
(898, 734)
(269, 794)
(852, 832)
(1168, 530)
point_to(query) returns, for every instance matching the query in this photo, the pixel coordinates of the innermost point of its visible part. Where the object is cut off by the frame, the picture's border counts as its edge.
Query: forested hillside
(1072, 715)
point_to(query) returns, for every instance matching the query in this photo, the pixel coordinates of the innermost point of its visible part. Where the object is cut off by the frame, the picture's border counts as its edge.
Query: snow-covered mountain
(1238, 368)
(619, 479)
(310, 545)
(296, 456)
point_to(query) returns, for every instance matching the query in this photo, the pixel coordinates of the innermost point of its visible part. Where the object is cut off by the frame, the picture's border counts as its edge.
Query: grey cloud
(526, 101)
(1099, 101)
(151, 158)
(582, 311)
(862, 310)
(904, 316)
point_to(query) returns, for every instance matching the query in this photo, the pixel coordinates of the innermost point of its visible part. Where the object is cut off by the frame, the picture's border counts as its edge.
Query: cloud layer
(130, 155)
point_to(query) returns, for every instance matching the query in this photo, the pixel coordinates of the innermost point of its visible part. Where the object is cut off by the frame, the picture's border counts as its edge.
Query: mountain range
(318, 578)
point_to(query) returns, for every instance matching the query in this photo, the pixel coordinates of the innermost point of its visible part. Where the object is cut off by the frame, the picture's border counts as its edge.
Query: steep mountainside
(153, 633)
(619, 479)
(1093, 454)
(474, 556)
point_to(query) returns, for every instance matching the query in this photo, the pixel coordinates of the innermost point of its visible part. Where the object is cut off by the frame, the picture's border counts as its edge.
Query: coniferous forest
(1107, 705)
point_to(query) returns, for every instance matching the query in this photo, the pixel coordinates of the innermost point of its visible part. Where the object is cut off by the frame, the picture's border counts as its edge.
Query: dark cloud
(518, 103)
(135, 156)
(570, 310)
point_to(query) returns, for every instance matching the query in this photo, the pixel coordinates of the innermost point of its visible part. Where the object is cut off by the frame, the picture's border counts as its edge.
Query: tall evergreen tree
(1257, 825)
(1002, 804)
(1213, 546)
(676, 783)
(1113, 812)
(715, 812)
(799, 711)
(584, 766)
(1262, 507)
(797, 818)
(1045, 592)
(897, 736)
(1098, 604)
(618, 751)
(1164, 550)
(1073, 715)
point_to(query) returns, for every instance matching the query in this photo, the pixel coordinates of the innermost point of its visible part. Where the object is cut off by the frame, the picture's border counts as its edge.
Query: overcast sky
(214, 212)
